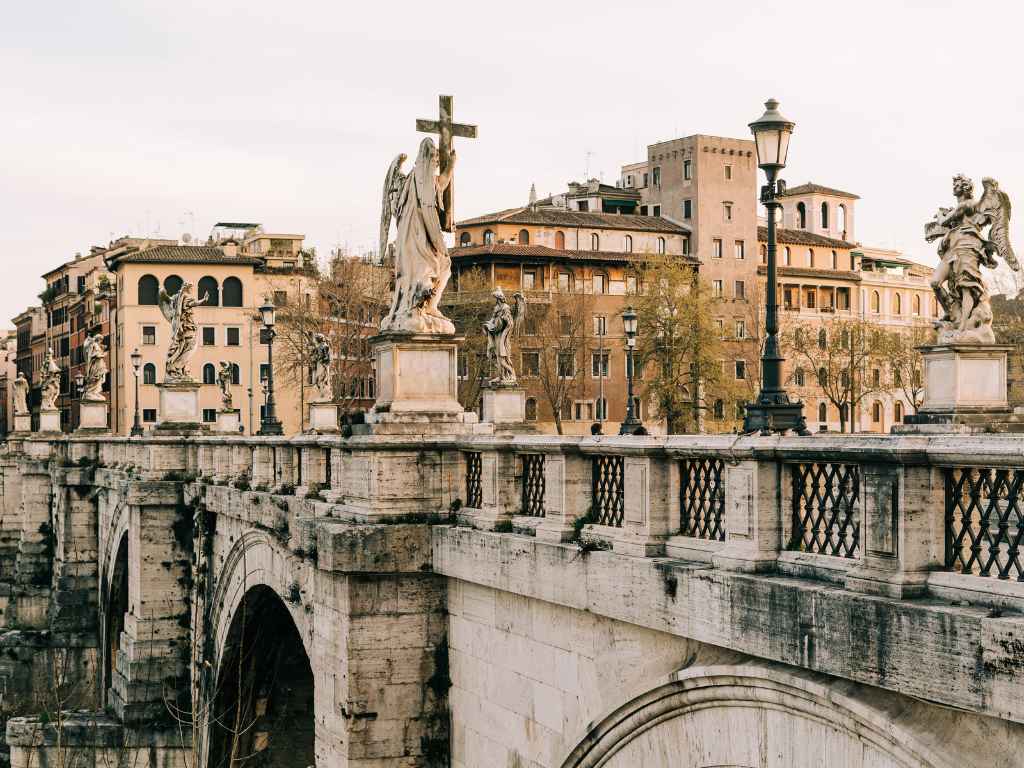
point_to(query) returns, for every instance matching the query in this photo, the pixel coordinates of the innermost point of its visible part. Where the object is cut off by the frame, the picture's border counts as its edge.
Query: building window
(560, 240)
(149, 290)
(595, 242)
(264, 371)
(801, 216)
(631, 285)
(687, 170)
(740, 289)
(657, 176)
(149, 334)
(876, 302)
(822, 339)
(727, 211)
(529, 279)
(717, 289)
(627, 244)
(600, 283)
(916, 305)
(764, 253)
(835, 260)
(465, 239)
(566, 365)
(716, 248)
(149, 414)
(661, 245)
(231, 292)
(209, 415)
(728, 173)
(843, 298)
(488, 237)
(208, 287)
(810, 258)
(524, 237)
(719, 410)
(876, 377)
(655, 210)
(236, 374)
(600, 325)
(897, 304)
(565, 282)
(739, 250)
(233, 337)
(565, 325)
(686, 245)
(824, 215)
(841, 219)
(687, 209)
(209, 336)
(741, 329)
(787, 256)
(531, 363)
(599, 364)
(741, 370)
(531, 409)
(798, 377)
(583, 205)
(209, 374)
(720, 324)
(897, 412)
(645, 179)
(876, 412)
(149, 373)
(822, 412)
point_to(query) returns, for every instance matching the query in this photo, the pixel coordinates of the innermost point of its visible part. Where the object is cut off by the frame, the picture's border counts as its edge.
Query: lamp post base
(630, 426)
(769, 417)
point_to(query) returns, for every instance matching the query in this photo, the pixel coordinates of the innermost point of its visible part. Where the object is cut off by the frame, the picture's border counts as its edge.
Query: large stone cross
(446, 129)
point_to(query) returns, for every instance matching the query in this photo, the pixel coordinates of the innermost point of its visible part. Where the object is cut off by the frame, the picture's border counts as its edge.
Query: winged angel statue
(963, 251)
(422, 264)
(505, 320)
(177, 310)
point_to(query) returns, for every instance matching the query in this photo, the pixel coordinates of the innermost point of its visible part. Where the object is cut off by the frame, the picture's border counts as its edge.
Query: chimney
(230, 248)
(533, 195)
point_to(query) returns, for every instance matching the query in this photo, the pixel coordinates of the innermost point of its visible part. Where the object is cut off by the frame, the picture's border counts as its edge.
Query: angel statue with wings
(963, 251)
(422, 265)
(177, 310)
(321, 361)
(95, 369)
(224, 382)
(505, 320)
(51, 382)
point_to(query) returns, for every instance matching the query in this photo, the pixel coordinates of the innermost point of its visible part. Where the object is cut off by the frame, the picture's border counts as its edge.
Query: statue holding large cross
(422, 205)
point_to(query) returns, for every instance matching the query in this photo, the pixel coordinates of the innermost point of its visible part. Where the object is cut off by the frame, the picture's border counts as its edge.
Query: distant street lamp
(772, 411)
(269, 425)
(631, 423)
(136, 359)
(79, 385)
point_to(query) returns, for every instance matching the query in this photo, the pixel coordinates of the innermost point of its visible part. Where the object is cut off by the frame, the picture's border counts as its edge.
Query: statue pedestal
(964, 391)
(228, 422)
(23, 422)
(49, 420)
(92, 416)
(323, 418)
(504, 405)
(179, 407)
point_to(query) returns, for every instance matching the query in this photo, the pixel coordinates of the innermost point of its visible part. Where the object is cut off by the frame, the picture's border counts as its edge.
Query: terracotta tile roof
(557, 217)
(801, 237)
(182, 254)
(810, 188)
(544, 253)
(831, 274)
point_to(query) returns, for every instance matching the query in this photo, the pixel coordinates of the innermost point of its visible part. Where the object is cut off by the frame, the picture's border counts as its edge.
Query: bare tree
(904, 357)
(468, 307)
(561, 330)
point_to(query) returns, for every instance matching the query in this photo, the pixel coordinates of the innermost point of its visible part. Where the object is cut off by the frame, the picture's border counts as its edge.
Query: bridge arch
(115, 608)
(737, 714)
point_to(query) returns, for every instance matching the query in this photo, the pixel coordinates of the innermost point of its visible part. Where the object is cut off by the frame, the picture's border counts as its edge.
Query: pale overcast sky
(140, 117)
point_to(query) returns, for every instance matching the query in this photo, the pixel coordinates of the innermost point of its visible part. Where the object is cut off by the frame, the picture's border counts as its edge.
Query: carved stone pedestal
(49, 420)
(964, 391)
(23, 422)
(504, 405)
(179, 407)
(228, 422)
(92, 416)
(323, 418)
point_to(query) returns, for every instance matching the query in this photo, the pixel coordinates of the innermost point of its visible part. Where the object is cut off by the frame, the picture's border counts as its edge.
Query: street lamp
(136, 359)
(631, 423)
(79, 385)
(269, 425)
(773, 411)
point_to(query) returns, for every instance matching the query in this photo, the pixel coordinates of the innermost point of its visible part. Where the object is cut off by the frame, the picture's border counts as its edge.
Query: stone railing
(893, 515)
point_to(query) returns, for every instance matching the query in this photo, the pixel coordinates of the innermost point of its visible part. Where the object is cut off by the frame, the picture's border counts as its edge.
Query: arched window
(822, 339)
(465, 239)
(560, 240)
(209, 374)
(236, 374)
(595, 242)
(208, 286)
(149, 374)
(798, 377)
(876, 302)
(841, 218)
(488, 237)
(810, 258)
(172, 284)
(627, 244)
(661, 245)
(835, 260)
(822, 412)
(876, 412)
(524, 237)
(897, 304)
(801, 216)
(764, 253)
(897, 412)
(824, 215)
(916, 306)
(531, 409)
(149, 290)
(232, 292)
(787, 256)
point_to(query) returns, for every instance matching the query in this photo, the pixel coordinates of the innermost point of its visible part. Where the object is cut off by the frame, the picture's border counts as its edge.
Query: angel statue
(177, 310)
(51, 383)
(422, 263)
(95, 369)
(963, 251)
(20, 394)
(224, 382)
(505, 320)
(321, 361)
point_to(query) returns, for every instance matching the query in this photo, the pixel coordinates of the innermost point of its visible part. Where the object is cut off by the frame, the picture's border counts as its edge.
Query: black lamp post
(136, 359)
(79, 384)
(269, 425)
(773, 411)
(631, 423)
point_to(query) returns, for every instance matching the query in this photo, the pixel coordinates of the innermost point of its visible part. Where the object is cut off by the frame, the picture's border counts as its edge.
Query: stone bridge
(488, 601)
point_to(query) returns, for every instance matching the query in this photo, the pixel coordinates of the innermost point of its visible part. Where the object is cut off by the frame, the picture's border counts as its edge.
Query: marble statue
(321, 362)
(422, 264)
(177, 310)
(95, 369)
(51, 383)
(505, 320)
(963, 251)
(20, 395)
(224, 381)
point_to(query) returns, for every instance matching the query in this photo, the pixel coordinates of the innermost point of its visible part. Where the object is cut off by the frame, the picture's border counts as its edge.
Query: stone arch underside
(772, 716)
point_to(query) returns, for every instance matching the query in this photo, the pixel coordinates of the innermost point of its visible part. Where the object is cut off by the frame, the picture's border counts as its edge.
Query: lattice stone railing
(826, 508)
(702, 498)
(985, 521)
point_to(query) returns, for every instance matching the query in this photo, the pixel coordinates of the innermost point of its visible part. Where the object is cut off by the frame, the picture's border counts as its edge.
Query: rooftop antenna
(586, 172)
